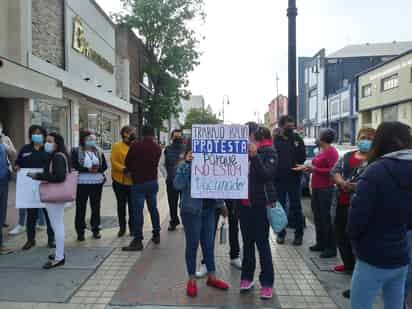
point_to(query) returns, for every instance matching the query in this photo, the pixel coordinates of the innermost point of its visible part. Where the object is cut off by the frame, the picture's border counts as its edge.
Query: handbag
(277, 217)
(63, 192)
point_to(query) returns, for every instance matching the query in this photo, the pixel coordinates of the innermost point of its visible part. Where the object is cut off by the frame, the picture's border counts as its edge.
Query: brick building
(277, 108)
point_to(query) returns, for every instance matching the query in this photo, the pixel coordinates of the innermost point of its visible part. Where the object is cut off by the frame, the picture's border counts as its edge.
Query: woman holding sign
(55, 172)
(198, 217)
(254, 223)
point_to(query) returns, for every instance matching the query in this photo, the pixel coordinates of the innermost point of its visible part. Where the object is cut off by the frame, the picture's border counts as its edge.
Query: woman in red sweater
(322, 193)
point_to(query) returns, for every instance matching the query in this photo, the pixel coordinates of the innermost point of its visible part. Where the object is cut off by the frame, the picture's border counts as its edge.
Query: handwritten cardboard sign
(220, 164)
(27, 189)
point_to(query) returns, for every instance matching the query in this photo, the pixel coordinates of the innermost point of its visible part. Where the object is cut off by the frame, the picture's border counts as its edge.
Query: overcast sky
(246, 43)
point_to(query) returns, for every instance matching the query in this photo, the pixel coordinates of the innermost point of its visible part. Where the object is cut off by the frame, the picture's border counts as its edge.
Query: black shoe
(51, 245)
(6, 226)
(328, 254)
(316, 248)
(298, 241)
(54, 264)
(96, 235)
(121, 233)
(80, 237)
(346, 294)
(172, 228)
(280, 240)
(29, 244)
(51, 257)
(135, 245)
(156, 239)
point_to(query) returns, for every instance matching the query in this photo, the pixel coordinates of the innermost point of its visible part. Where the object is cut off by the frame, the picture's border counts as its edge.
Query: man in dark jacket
(173, 155)
(142, 163)
(291, 152)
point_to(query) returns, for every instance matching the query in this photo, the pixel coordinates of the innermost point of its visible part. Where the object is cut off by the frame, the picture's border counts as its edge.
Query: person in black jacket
(33, 156)
(91, 164)
(379, 218)
(254, 224)
(173, 154)
(55, 172)
(291, 152)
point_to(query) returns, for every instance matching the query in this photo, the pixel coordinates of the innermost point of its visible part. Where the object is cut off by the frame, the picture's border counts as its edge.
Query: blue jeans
(367, 280)
(4, 192)
(289, 189)
(409, 276)
(255, 233)
(22, 217)
(200, 229)
(141, 193)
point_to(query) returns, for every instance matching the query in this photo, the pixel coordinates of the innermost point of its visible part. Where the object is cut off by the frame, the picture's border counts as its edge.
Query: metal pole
(277, 100)
(292, 103)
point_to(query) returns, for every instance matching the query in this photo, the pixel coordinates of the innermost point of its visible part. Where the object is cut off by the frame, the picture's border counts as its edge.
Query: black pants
(85, 193)
(344, 244)
(232, 206)
(321, 207)
(32, 216)
(124, 197)
(173, 199)
(255, 233)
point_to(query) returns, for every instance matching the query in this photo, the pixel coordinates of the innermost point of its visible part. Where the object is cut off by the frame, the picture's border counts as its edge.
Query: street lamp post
(292, 103)
(223, 106)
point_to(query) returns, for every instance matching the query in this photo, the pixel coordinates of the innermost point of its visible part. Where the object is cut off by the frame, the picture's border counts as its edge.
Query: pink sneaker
(246, 285)
(266, 293)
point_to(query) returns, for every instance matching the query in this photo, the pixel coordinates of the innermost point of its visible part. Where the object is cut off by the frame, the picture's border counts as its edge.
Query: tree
(173, 47)
(199, 116)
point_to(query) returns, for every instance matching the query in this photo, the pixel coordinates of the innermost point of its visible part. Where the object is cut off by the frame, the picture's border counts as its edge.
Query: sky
(246, 44)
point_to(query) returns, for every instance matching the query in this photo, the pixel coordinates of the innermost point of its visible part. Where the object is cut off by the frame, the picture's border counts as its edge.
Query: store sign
(220, 166)
(81, 45)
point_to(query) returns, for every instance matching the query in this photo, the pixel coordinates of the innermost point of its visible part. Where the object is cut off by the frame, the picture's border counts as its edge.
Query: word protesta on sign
(220, 161)
(81, 45)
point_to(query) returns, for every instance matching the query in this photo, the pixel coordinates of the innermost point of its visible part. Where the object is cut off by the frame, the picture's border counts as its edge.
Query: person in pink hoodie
(322, 193)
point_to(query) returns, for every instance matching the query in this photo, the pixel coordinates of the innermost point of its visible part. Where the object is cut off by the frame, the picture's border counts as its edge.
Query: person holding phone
(55, 172)
(198, 217)
(91, 164)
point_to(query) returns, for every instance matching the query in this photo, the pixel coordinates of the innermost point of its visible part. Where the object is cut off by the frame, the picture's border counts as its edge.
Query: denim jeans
(22, 217)
(4, 192)
(255, 232)
(289, 189)
(409, 276)
(141, 193)
(200, 229)
(367, 280)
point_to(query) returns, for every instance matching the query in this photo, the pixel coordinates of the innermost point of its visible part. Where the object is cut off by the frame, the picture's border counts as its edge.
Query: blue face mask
(37, 139)
(364, 145)
(49, 147)
(90, 143)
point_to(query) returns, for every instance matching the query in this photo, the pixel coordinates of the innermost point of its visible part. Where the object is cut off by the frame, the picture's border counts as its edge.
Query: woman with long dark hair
(91, 164)
(55, 172)
(33, 155)
(379, 218)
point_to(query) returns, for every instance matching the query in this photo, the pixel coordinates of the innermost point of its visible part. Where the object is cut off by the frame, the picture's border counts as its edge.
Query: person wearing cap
(322, 193)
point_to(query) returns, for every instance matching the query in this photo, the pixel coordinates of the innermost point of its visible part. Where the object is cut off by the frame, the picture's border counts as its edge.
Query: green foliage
(173, 47)
(199, 116)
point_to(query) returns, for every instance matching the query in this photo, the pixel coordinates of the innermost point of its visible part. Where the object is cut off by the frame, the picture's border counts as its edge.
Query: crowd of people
(360, 202)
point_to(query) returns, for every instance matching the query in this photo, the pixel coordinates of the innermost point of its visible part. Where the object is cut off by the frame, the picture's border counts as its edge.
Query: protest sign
(220, 164)
(27, 189)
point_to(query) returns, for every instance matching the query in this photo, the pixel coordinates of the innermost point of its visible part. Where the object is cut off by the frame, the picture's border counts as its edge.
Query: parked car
(311, 151)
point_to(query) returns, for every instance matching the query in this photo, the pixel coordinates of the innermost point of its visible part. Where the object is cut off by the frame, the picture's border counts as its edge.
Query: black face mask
(289, 131)
(178, 140)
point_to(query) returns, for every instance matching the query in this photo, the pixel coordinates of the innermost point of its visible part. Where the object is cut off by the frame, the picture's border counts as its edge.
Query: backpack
(4, 165)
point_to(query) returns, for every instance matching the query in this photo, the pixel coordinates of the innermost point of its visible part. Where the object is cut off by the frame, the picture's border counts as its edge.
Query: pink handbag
(63, 192)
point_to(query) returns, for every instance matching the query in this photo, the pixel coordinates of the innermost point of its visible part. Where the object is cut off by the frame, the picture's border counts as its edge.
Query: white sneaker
(236, 263)
(41, 227)
(202, 272)
(17, 230)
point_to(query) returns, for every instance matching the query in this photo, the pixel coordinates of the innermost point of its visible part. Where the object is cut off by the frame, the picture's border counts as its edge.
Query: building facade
(277, 108)
(68, 50)
(385, 92)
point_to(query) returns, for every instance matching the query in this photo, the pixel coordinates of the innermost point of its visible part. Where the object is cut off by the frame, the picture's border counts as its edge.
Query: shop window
(54, 116)
(367, 91)
(390, 113)
(390, 82)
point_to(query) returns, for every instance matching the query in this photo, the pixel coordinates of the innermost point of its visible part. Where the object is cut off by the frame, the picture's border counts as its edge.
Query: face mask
(316, 151)
(364, 145)
(90, 143)
(37, 139)
(49, 147)
(178, 140)
(289, 131)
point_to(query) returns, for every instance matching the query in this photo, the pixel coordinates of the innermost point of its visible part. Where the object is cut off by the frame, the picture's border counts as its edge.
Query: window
(390, 82)
(367, 91)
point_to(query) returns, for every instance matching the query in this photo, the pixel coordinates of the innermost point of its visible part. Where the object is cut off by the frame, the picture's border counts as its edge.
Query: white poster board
(27, 189)
(220, 166)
